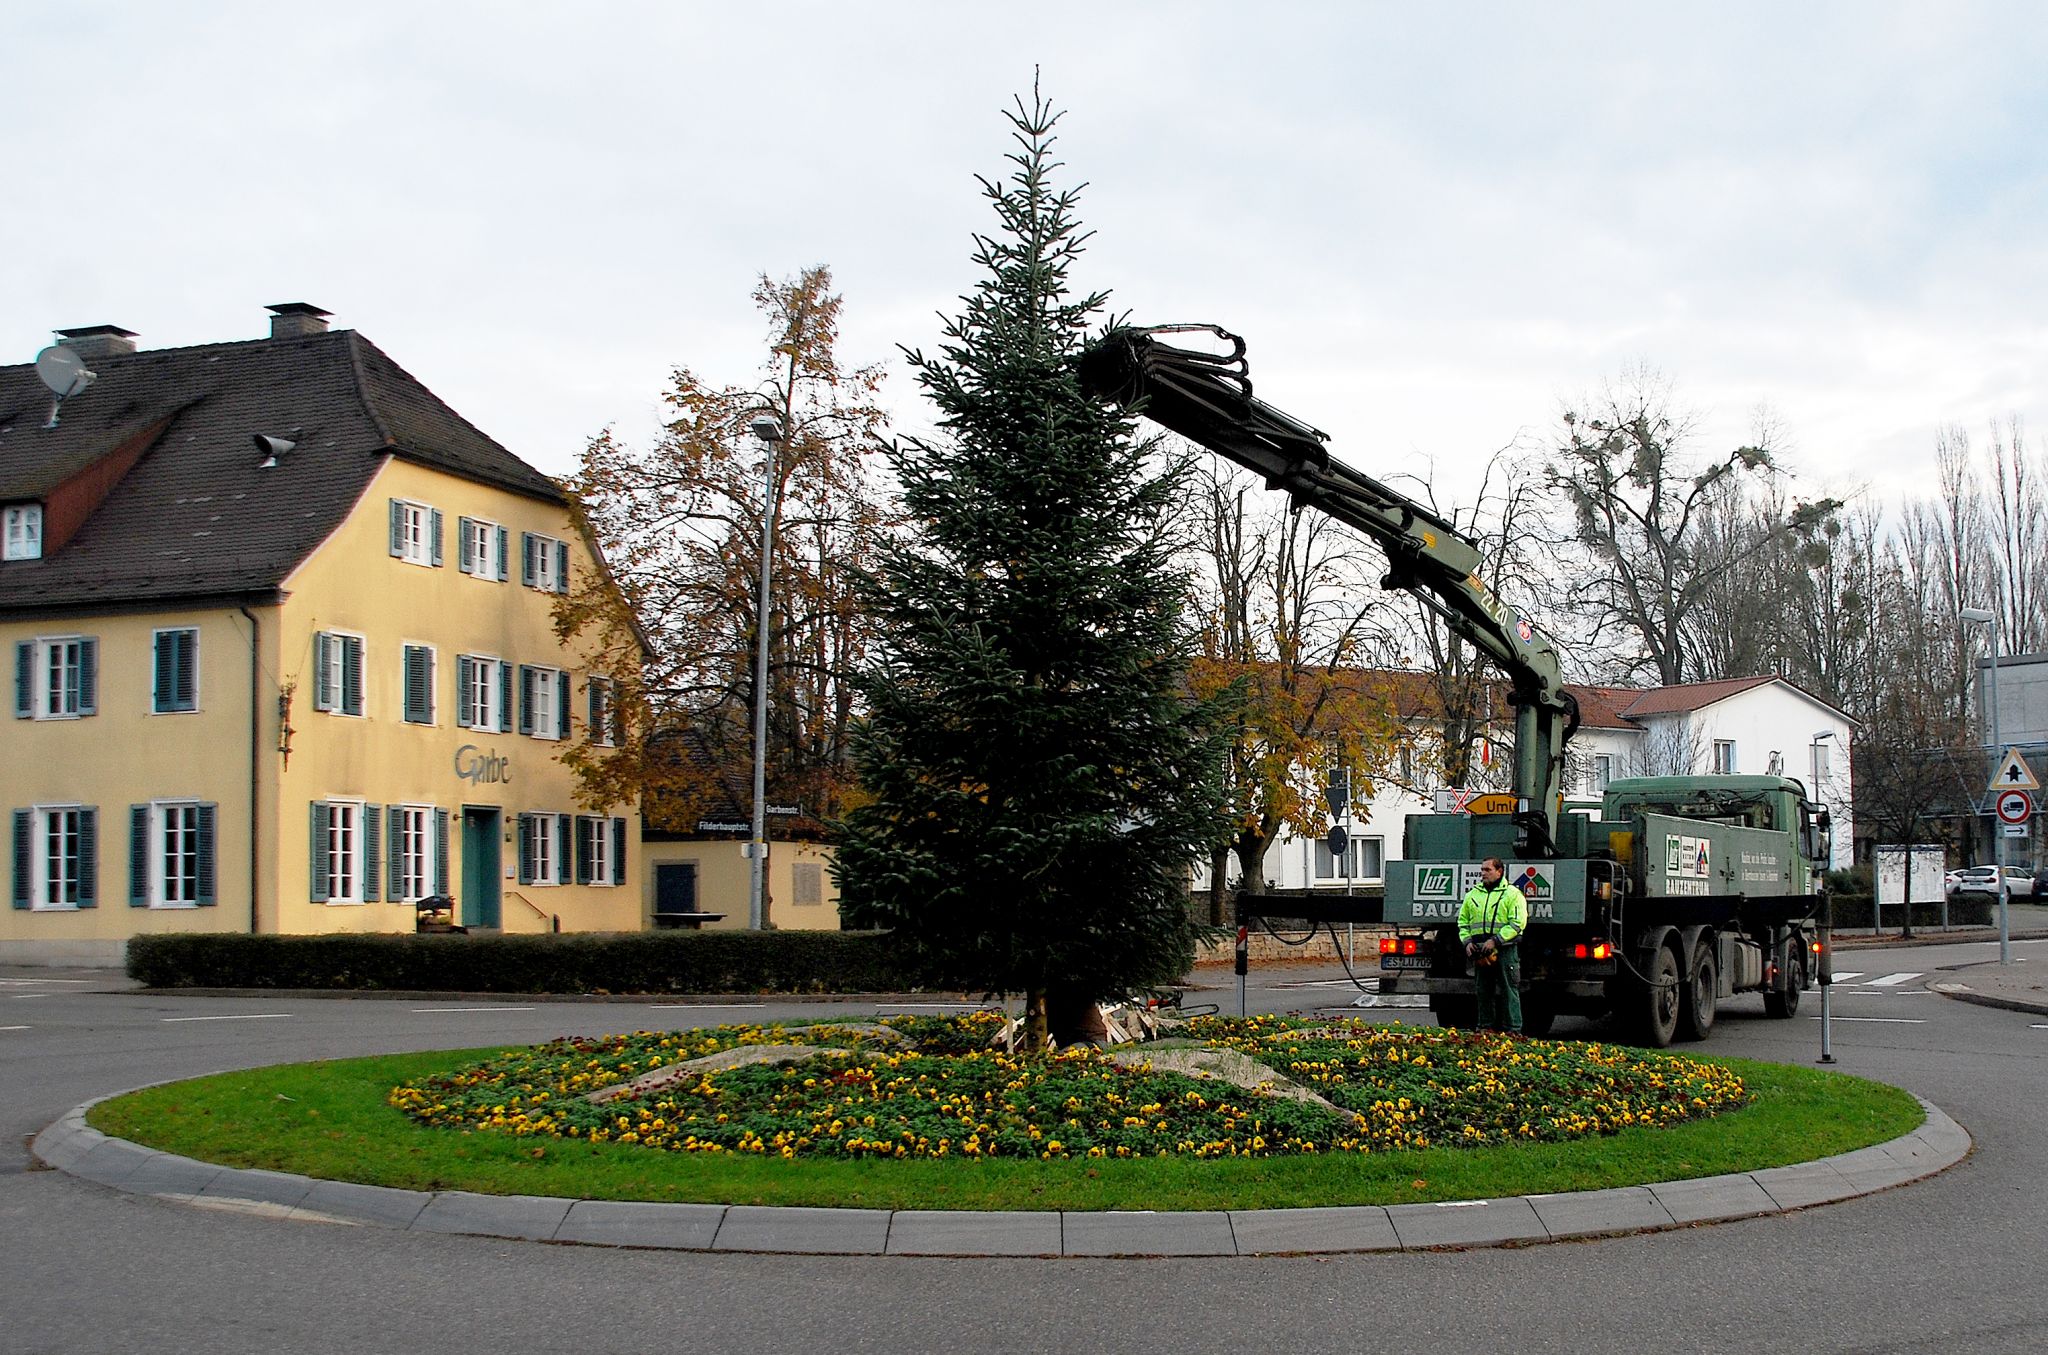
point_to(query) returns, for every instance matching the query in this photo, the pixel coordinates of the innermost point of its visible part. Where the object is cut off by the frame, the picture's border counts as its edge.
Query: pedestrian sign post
(2014, 774)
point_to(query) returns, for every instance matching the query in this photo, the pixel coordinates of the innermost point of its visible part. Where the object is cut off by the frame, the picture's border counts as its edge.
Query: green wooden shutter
(88, 676)
(323, 670)
(185, 671)
(526, 849)
(24, 681)
(525, 699)
(618, 851)
(89, 857)
(371, 852)
(564, 831)
(23, 869)
(501, 572)
(317, 884)
(561, 705)
(434, 534)
(352, 674)
(419, 685)
(526, 545)
(440, 880)
(162, 698)
(138, 855)
(208, 816)
(397, 528)
(394, 837)
(504, 697)
(561, 566)
(465, 556)
(465, 694)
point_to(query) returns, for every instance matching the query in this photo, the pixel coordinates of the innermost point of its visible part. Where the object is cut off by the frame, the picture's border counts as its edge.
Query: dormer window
(23, 531)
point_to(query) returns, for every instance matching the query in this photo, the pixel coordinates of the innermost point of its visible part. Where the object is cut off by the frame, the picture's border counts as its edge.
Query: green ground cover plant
(352, 1120)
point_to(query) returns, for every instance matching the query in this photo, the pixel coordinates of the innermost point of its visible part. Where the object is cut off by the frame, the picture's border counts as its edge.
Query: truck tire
(1657, 999)
(1784, 1002)
(1698, 999)
(1462, 1012)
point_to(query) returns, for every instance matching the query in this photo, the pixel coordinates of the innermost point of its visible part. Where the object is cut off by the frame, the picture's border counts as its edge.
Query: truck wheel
(1462, 1012)
(1784, 1003)
(1657, 1000)
(1698, 1000)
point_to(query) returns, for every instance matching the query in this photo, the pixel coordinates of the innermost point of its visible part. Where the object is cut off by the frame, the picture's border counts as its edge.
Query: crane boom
(1207, 398)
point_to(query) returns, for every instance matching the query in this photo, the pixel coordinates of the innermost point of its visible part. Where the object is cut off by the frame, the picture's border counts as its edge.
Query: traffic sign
(2015, 806)
(1338, 840)
(2014, 773)
(1496, 803)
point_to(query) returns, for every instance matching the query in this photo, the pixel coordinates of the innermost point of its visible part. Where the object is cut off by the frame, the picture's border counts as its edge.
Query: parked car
(1985, 880)
(2041, 883)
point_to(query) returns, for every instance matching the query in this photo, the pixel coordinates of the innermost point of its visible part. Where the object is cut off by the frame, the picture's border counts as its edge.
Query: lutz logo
(1435, 882)
(480, 768)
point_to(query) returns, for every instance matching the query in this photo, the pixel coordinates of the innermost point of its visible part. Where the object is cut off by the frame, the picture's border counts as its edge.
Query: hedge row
(596, 963)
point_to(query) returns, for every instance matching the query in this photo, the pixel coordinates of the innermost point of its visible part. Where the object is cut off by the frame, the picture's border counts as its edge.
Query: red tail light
(1410, 946)
(1389, 946)
(1602, 951)
(1599, 950)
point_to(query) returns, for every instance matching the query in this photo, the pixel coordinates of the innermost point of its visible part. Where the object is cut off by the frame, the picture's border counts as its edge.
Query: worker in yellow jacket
(1491, 920)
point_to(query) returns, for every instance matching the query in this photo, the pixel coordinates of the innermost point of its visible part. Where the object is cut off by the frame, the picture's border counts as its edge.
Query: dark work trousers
(1500, 990)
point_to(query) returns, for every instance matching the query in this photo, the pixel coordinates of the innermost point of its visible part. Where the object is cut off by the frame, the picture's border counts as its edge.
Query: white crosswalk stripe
(1892, 980)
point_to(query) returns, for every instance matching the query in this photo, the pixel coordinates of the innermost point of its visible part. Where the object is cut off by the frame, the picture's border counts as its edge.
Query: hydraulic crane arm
(1207, 399)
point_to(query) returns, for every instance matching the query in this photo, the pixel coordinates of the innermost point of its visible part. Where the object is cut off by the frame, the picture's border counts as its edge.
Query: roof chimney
(296, 319)
(99, 341)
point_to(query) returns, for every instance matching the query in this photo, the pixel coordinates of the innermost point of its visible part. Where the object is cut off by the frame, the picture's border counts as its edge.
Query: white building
(1741, 726)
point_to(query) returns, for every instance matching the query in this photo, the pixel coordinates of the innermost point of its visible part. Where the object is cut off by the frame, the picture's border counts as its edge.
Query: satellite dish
(63, 371)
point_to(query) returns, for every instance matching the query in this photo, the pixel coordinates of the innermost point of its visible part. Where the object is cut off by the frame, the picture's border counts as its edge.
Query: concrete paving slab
(172, 1176)
(1467, 1223)
(1713, 1197)
(839, 1232)
(1120, 1232)
(1803, 1184)
(263, 1187)
(63, 1145)
(347, 1202)
(936, 1232)
(625, 1223)
(1944, 1134)
(112, 1161)
(1578, 1213)
(459, 1211)
(1266, 1232)
(1916, 1153)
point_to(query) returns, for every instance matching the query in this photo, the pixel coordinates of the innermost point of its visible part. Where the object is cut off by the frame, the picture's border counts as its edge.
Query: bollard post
(1244, 963)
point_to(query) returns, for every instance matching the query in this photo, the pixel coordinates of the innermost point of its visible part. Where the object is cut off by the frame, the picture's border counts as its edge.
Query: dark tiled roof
(196, 517)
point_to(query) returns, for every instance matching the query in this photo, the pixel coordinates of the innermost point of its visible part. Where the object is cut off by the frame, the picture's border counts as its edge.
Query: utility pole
(770, 433)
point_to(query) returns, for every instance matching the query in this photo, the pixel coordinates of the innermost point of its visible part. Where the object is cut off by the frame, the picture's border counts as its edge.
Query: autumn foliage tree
(679, 524)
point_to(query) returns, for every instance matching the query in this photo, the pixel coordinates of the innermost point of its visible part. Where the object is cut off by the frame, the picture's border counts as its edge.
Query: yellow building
(279, 631)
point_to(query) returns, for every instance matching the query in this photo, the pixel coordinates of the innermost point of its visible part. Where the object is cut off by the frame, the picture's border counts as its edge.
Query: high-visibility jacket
(1500, 912)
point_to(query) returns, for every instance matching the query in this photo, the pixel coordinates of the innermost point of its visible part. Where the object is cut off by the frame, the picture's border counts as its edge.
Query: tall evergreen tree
(1040, 777)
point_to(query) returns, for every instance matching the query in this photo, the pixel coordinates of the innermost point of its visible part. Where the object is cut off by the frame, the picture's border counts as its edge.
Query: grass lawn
(332, 1120)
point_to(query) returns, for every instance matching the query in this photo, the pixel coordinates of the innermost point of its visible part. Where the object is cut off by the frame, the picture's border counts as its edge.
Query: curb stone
(73, 1147)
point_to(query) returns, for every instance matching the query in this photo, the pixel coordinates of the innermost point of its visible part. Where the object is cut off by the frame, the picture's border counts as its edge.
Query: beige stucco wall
(724, 882)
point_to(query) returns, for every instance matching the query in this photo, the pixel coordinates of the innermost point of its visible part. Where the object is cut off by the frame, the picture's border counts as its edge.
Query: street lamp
(770, 434)
(1987, 616)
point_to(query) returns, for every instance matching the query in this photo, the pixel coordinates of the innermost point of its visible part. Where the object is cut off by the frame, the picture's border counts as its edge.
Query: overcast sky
(1434, 223)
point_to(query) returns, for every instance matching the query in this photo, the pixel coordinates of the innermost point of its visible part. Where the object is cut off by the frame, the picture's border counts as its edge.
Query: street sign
(1338, 840)
(2014, 773)
(2015, 807)
(1337, 792)
(1493, 804)
(2015, 830)
(1452, 801)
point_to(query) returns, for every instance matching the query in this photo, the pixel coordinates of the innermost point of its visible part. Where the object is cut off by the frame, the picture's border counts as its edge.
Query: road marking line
(422, 1011)
(1890, 980)
(17, 1027)
(1879, 1020)
(707, 1006)
(30, 983)
(24, 997)
(1844, 975)
(265, 1016)
(931, 1006)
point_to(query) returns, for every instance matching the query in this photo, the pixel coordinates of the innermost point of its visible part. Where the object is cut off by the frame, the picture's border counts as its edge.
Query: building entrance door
(482, 866)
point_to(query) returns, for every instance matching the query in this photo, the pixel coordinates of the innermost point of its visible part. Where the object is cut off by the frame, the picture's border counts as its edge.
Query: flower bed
(930, 1087)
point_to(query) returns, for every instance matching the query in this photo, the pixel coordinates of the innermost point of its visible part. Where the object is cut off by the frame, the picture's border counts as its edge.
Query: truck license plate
(1404, 961)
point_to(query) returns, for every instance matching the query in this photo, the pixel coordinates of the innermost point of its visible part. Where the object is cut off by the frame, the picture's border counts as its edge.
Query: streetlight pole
(1983, 615)
(770, 434)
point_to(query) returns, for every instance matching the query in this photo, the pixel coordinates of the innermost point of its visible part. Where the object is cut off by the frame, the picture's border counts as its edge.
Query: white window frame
(544, 558)
(344, 852)
(416, 533)
(485, 676)
(160, 852)
(544, 844)
(480, 539)
(547, 697)
(1821, 767)
(1724, 757)
(49, 687)
(414, 834)
(600, 849)
(24, 532)
(1603, 772)
(601, 706)
(40, 882)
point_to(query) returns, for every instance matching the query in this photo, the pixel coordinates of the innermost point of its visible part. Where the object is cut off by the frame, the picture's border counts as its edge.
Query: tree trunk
(1034, 1021)
(1074, 1017)
(1219, 865)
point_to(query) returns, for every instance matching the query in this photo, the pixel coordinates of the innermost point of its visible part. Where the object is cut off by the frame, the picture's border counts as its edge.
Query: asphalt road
(1949, 1264)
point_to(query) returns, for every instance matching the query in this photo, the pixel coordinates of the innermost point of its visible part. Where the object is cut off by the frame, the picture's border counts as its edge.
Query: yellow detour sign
(1492, 804)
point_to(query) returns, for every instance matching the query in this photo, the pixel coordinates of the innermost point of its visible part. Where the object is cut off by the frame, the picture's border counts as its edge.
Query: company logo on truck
(1440, 888)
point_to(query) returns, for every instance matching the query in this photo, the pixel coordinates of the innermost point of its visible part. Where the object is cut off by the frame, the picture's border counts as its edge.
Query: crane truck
(1672, 893)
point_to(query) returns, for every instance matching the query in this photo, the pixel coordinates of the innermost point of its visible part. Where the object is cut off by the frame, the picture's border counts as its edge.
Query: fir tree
(1040, 775)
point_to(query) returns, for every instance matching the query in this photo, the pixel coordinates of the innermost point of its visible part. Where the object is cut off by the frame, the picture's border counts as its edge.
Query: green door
(482, 869)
